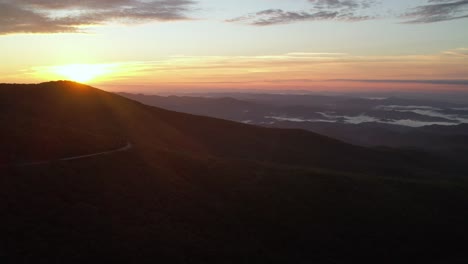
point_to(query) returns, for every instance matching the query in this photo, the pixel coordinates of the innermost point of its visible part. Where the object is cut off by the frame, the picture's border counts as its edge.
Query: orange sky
(210, 44)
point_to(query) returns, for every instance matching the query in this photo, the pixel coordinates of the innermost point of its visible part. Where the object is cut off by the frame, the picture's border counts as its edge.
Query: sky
(317, 45)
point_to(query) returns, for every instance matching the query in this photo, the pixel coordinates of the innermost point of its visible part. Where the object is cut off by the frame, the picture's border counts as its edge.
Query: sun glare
(82, 72)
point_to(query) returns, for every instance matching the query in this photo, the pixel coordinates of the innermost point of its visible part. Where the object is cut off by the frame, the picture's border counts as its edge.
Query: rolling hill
(195, 189)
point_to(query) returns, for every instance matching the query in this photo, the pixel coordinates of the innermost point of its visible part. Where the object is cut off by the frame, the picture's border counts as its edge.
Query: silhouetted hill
(202, 190)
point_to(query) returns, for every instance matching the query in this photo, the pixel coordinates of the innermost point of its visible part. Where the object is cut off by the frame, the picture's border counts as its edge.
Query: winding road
(128, 146)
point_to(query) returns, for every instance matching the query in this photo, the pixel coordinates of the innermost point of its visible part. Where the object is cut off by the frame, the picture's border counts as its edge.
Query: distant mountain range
(180, 188)
(391, 122)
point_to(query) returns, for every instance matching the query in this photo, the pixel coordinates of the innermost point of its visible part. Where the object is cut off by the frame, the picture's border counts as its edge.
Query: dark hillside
(202, 190)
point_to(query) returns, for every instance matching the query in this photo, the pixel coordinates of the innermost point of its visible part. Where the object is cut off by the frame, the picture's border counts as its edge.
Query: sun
(82, 72)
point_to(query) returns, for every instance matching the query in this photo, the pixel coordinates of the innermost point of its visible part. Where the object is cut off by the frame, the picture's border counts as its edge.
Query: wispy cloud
(460, 52)
(343, 4)
(437, 11)
(51, 16)
(292, 70)
(340, 10)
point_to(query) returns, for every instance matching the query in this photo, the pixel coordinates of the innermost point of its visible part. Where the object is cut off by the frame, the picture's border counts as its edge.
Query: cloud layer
(72, 16)
(51, 16)
(357, 10)
(437, 11)
(444, 82)
(341, 10)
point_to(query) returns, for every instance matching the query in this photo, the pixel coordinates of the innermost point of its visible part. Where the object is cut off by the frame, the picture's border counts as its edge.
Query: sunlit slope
(46, 124)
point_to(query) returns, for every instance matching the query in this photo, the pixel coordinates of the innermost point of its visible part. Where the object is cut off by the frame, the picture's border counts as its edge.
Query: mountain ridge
(358, 121)
(131, 121)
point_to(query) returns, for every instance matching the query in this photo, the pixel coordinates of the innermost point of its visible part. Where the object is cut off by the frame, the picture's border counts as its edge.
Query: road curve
(128, 146)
